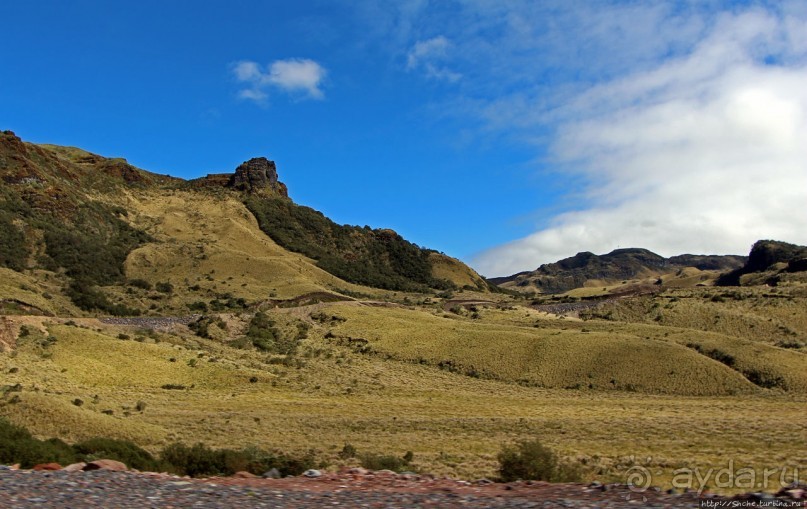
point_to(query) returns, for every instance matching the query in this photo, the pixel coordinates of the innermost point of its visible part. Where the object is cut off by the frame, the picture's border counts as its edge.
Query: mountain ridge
(620, 264)
(80, 217)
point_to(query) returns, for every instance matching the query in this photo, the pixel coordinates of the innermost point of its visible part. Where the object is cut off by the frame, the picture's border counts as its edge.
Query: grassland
(332, 394)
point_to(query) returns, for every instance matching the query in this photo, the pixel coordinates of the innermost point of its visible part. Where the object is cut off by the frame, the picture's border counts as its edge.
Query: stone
(75, 467)
(795, 494)
(312, 473)
(244, 475)
(104, 464)
(47, 466)
(272, 473)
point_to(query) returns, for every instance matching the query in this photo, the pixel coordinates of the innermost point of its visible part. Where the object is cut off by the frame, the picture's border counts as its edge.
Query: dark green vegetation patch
(377, 258)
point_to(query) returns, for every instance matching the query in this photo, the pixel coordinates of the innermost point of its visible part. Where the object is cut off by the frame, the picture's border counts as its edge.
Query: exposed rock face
(255, 174)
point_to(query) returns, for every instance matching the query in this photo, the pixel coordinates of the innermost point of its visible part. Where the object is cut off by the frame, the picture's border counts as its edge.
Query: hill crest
(618, 265)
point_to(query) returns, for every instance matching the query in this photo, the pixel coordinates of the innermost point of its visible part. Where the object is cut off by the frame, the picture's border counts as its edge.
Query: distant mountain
(770, 262)
(618, 265)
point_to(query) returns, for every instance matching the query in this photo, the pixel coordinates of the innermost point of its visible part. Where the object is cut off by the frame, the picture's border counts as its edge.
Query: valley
(203, 312)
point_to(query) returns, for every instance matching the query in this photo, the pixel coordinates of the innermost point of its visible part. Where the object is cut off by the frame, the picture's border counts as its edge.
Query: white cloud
(427, 54)
(434, 47)
(296, 76)
(704, 152)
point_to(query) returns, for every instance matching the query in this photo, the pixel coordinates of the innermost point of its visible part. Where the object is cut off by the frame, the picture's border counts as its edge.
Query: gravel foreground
(108, 489)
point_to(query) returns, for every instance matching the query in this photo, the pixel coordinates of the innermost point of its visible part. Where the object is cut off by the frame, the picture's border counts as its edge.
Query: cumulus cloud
(302, 77)
(705, 152)
(427, 55)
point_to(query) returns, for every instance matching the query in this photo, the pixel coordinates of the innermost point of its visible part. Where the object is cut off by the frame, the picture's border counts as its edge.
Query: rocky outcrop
(766, 257)
(254, 176)
(257, 173)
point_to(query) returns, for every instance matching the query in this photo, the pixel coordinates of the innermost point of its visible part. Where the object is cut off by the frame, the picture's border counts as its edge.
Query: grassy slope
(556, 354)
(454, 424)
(445, 267)
(214, 242)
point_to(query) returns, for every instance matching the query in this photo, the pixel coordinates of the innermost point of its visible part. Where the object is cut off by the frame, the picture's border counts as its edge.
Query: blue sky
(505, 133)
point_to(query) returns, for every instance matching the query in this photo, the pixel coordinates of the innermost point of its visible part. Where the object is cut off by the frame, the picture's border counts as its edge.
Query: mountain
(97, 234)
(769, 262)
(619, 265)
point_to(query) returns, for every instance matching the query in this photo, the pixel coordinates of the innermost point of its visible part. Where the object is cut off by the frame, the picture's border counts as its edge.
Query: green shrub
(89, 298)
(348, 451)
(18, 446)
(202, 325)
(140, 283)
(164, 287)
(13, 249)
(198, 306)
(531, 460)
(263, 335)
(201, 460)
(373, 461)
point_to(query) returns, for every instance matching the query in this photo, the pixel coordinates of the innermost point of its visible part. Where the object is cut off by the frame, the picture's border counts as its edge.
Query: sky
(505, 133)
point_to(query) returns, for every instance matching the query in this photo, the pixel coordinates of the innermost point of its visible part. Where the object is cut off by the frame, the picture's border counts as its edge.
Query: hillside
(99, 235)
(589, 270)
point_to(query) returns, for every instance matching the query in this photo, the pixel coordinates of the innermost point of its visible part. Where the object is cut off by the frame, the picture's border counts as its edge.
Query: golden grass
(215, 243)
(745, 313)
(445, 267)
(554, 355)
(454, 424)
(30, 289)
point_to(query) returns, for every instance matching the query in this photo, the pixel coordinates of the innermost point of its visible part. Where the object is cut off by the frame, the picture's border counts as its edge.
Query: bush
(348, 451)
(373, 461)
(90, 298)
(263, 335)
(201, 460)
(202, 326)
(531, 460)
(18, 446)
(140, 283)
(164, 287)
